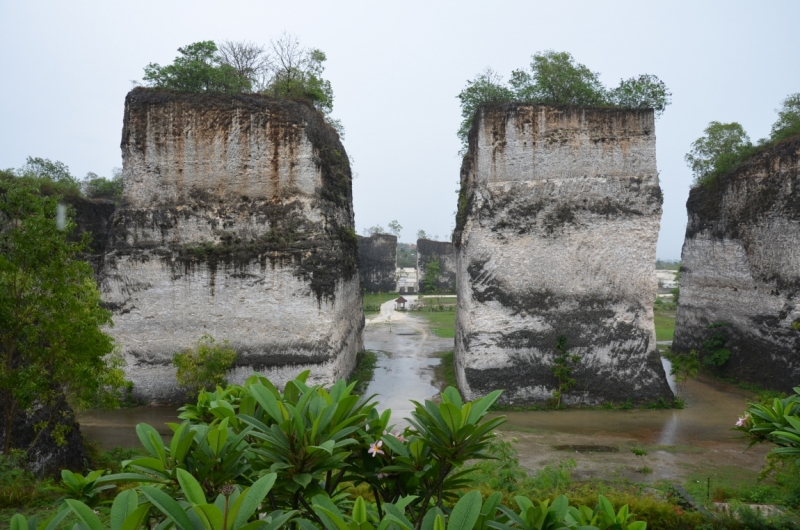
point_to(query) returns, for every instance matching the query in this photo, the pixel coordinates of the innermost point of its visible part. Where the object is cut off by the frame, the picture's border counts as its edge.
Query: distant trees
(395, 228)
(554, 78)
(54, 178)
(726, 145)
(284, 69)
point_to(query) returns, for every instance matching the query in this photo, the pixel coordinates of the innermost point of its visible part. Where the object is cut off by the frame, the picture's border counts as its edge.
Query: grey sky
(396, 69)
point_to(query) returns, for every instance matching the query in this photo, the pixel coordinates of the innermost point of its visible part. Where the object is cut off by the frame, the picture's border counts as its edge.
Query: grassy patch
(445, 373)
(372, 301)
(732, 483)
(364, 370)
(442, 323)
(665, 325)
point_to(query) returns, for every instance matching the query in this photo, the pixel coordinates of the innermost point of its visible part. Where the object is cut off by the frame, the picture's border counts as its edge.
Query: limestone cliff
(377, 262)
(741, 268)
(445, 255)
(236, 220)
(558, 218)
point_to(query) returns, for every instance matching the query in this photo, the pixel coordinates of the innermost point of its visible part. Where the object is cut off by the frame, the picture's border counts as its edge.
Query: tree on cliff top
(726, 145)
(555, 78)
(284, 70)
(51, 342)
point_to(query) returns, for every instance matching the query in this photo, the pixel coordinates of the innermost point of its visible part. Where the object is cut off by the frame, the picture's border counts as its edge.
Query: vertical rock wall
(377, 262)
(445, 254)
(741, 268)
(237, 221)
(556, 234)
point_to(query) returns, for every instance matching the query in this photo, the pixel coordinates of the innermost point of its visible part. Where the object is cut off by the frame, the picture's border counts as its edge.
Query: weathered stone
(236, 220)
(741, 268)
(556, 233)
(445, 254)
(50, 437)
(377, 262)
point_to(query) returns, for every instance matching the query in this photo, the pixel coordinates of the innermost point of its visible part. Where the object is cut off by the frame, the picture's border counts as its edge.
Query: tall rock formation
(377, 262)
(556, 233)
(740, 269)
(443, 253)
(237, 221)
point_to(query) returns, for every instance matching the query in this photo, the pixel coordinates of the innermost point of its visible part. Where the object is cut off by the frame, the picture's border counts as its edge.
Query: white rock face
(740, 269)
(236, 221)
(557, 226)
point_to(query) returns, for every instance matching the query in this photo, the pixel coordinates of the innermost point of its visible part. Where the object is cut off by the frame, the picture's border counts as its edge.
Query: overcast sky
(396, 69)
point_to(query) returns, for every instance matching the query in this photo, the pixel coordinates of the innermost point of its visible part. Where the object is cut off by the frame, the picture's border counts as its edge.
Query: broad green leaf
(210, 515)
(480, 406)
(167, 505)
(124, 505)
(465, 512)
(253, 497)
(19, 522)
(438, 523)
(327, 447)
(304, 479)
(150, 440)
(451, 395)
(395, 445)
(638, 525)
(267, 401)
(190, 487)
(330, 519)
(85, 514)
(217, 438)
(148, 462)
(360, 511)
(136, 518)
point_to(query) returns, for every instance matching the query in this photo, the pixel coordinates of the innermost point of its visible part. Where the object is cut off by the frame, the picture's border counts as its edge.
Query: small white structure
(666, 279)
(406, 280)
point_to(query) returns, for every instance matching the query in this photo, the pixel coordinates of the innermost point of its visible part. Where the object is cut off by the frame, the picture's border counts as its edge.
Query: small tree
(788, 123)
(433, 270)
(715, 354)
(197, 69)
(684, 367)
(722, 148)
(52, 346)
(421, 234)
(562, 369)
(395, 228)
(205, 366)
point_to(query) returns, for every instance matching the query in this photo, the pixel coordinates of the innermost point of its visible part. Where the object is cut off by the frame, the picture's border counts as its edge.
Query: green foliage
(788, 124)
(685, 366)
(562, 369)
(554, 78)
(51, 342)
(715, 355)
(723, 147)
(726, 145)
(432, 272)
(198, 68)
(364, 370)
(204, 367)
(778, 423)
(96, 187)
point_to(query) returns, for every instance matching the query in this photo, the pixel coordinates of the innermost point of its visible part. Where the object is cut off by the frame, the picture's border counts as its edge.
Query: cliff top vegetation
(284, 69)
(724, 146)
(54, 178)
(554, 78)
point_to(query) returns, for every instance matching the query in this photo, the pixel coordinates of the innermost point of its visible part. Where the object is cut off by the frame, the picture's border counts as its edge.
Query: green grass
(665, 325)
(374, 300)
(364, 370)
(444, 372)
(442, 323)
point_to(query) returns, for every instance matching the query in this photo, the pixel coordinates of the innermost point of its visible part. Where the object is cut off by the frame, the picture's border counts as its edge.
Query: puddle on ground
(678, 442)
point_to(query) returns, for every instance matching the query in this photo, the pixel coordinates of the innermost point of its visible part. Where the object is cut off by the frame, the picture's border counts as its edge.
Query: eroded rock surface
(236, 220)
(556, 234)
(377, 262)
(740, 269)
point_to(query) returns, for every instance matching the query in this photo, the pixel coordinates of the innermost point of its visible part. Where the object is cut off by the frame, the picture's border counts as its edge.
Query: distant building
(666, 280)
(406, 280)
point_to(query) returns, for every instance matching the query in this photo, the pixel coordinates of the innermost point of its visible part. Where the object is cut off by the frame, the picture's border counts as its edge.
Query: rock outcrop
(443, 253)
(740, 273)
(236, 220)
(557, 223)
(377, 262)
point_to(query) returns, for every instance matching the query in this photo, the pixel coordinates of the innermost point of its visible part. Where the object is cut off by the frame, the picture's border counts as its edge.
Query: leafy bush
(205, 366)
(251, 457)
(555, 78)
(715, 354)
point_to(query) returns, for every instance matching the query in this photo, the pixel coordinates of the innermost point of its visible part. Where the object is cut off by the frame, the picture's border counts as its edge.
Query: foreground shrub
(253, 457)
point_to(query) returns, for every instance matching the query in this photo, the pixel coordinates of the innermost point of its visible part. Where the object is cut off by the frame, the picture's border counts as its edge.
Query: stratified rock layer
(740, 269)
(556, 234)
(443, 253)
(377, 262)
(236, 221)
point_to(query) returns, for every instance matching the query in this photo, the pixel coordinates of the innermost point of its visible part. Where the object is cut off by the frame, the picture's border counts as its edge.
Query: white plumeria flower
(375, 448)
